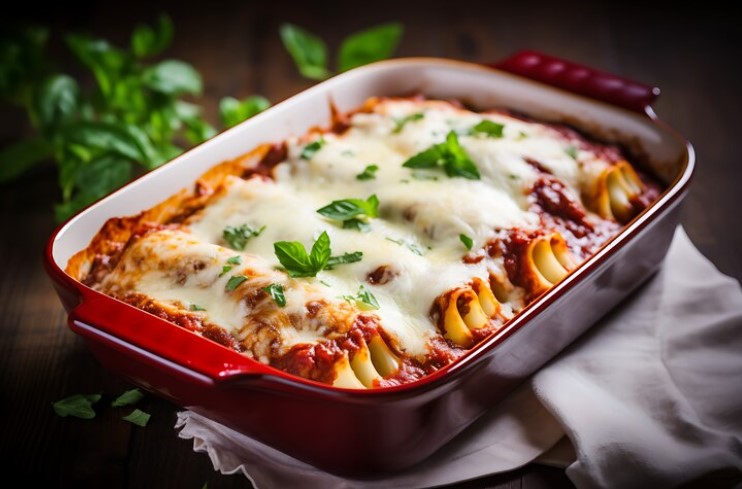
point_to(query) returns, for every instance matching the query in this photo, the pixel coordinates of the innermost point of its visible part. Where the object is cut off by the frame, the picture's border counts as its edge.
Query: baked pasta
(377, 250)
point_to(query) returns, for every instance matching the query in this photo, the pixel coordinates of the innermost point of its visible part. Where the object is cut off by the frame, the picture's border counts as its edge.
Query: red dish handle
(153, 341)
(581, 80)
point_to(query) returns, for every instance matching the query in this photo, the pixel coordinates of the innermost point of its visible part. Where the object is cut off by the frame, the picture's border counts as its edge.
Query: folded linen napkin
(650, 397)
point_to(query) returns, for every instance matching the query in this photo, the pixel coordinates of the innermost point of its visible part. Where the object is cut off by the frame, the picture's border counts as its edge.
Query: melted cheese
(417, 234)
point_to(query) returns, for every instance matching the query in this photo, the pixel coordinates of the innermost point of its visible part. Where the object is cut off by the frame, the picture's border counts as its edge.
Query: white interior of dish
(475, 85)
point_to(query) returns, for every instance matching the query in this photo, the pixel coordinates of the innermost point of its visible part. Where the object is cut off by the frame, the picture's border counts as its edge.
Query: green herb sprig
(298, 263)
(448, 155)
(352, 213)
(134, 119)
(310, 53)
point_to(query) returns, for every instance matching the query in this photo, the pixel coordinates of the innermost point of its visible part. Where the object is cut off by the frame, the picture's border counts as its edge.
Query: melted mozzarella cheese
(422, 214)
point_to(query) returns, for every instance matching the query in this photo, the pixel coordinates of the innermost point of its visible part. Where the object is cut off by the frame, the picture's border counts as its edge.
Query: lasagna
(377, 250)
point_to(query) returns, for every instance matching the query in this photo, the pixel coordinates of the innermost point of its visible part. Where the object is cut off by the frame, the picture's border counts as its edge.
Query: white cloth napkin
(651, 397)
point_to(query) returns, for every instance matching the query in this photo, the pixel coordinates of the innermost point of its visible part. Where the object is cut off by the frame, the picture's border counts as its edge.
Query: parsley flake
(138, 417)
(275, 290)
(571, 152)
(78, 406)
(400, 123)
(196, 307)
(234, 282)
(128, 398)
(468, 242)
(489, 128)
(364, 297)
(312, 148)
(238, 236)
(368, 173)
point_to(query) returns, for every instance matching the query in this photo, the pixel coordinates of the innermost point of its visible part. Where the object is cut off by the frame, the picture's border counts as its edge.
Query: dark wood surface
(691, 54)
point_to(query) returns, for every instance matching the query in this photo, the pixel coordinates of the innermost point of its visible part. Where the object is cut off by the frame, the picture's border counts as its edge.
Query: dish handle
(144, 339)
(581, 80)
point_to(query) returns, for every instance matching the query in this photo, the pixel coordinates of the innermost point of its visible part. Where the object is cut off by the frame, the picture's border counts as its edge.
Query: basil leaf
(369, 45)
(400, 123)
(298, 263)
(103, 175)
(320, 253)
(196, 307)
(225, 269)
(173, 77)
(342, 210)
(238, 236)
(312, 148)
(235, 260)
(308, 51)
(366, 297)
(458, 163)
(138, 417)
(344, 259)
(276, 292)
(198, 130)
(56, 101)
(571, 152)
(234, 282)
(146, 41)
(106, 62)
(78, 406)
(368, 173)
(294, 258)
(489, 128)
(357, 225)
(430, 158)
(449, 155)
(468, 242)
(128, 398)
(19, 157)
(233, 111)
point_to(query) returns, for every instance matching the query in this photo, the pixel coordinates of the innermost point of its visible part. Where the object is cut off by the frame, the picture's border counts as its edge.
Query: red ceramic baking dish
(364, 432)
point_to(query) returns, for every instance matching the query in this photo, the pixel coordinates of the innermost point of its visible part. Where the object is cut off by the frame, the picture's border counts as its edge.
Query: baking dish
(365, 432)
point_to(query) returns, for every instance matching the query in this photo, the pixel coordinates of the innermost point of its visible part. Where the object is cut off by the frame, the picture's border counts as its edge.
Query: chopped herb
(238, 236)
(344, 259)
(234, 282)
(368, 173)
(297, 262)
(423, 176)
(489, 128)
(364, 297)
(400, 123)
(367, 297)
(196, 307)
(78, 406)
(513, 177)
(312, 148)
(410, 246)
(276, 292)
(415, 249)
(357, 224)
(128, 398)
(522, 135)
(353, 213)
(449, 155)
(325, 283)
(235, 260)
(225, 269)
(468, 242)
(571, 151)
(138, 417)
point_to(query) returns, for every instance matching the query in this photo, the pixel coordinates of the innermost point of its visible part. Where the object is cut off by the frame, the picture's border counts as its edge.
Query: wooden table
(690, 54)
